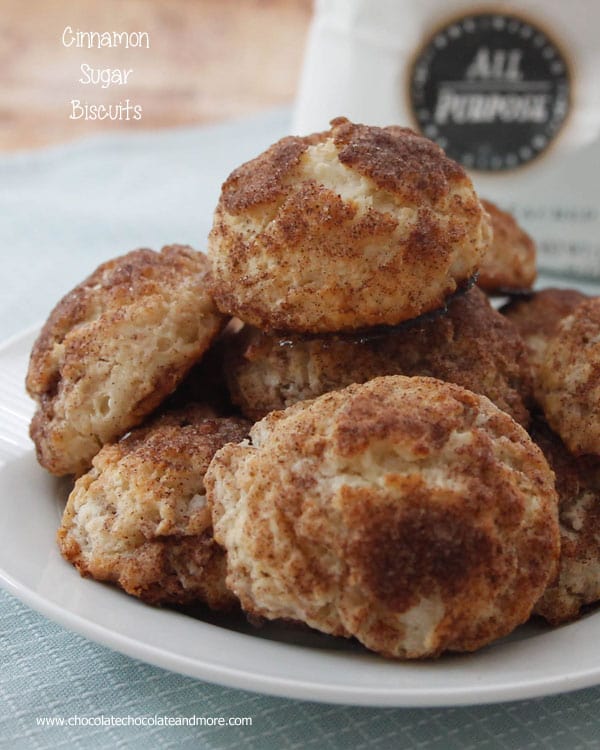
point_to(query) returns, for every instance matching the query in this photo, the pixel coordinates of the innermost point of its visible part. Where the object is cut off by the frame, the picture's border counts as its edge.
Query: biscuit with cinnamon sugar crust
(471, 345)
(407, 512)
(510, 261)
(567, 385)
(578, 484)
(139, 517)
(538, 315)
(351, 228)
(113, 348)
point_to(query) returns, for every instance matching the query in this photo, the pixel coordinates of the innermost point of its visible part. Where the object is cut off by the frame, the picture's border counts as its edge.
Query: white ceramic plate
(534, 661)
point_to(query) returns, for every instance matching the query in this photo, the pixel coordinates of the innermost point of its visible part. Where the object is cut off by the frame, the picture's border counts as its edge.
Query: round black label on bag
(491, 89)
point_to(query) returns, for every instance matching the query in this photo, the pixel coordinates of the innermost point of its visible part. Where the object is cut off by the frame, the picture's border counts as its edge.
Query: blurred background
(209, 60)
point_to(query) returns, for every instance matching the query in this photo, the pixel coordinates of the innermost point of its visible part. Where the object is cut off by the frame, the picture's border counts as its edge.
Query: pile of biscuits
(326, 420)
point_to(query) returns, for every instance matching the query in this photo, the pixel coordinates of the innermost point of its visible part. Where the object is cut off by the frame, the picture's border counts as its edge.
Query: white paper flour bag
(512, 91)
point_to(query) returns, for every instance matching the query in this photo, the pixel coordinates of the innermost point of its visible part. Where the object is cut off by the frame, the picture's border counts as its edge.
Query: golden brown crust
(537, 317)
(471, 345)
(397, 159)
(407, 512)
(568, 382)
(138, 518)
(263, 180)
(510, 261)
(342, 230)
(578, 485)
(403, 555)
(113, 348)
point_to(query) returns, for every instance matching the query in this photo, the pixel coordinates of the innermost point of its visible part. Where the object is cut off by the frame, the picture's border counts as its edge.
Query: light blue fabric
(62, 211)
(48, 671)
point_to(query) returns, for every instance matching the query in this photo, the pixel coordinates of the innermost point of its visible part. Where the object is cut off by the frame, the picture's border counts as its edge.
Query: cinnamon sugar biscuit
(407, 512)
(537, 317)
(471, 345)
(114, 348)
(139, 517)
(356, 227)
(568, 381)
(510, 261)
(578, 486)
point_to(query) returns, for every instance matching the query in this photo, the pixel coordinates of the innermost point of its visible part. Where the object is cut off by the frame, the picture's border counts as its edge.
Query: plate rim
(294, 688)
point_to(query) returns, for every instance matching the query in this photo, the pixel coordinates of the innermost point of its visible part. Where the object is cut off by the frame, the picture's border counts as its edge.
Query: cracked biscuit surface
(113, 348)
(139, 517)
(407, 512)
(471, 345)
(355, 227)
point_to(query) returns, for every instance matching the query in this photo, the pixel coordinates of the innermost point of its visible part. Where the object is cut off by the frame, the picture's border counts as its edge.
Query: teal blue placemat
(50, 672)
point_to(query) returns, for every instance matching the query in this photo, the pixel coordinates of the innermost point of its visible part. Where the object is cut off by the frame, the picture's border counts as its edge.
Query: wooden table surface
(208, 60)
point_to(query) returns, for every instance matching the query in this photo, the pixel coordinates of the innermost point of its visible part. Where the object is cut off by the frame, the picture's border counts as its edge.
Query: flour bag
(512, 91)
